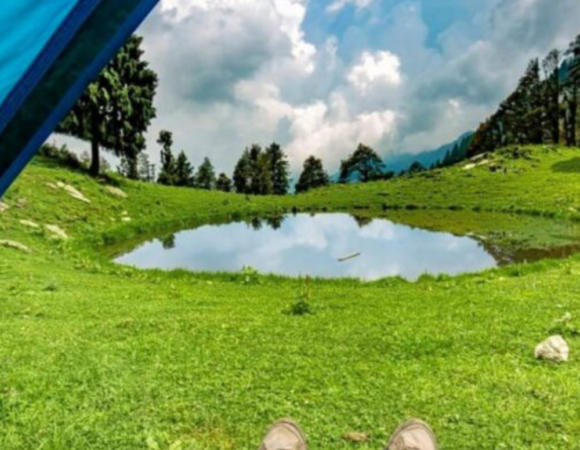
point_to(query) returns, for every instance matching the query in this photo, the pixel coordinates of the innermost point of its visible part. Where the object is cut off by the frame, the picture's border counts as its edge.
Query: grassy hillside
(98, 356)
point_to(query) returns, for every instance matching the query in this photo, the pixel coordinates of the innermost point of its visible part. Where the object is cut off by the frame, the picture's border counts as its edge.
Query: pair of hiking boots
(412, 435)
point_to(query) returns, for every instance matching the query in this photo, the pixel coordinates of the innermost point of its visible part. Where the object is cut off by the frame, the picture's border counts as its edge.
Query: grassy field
(96, 356)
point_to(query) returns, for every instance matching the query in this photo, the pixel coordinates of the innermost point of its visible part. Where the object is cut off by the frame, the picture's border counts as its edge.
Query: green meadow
(99, 356)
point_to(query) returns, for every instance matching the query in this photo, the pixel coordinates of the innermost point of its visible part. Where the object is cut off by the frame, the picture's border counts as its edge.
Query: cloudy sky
(320, 76)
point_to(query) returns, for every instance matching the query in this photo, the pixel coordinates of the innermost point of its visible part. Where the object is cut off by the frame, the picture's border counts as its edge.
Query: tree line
(543, 108)
(259, 171)
(180, 172)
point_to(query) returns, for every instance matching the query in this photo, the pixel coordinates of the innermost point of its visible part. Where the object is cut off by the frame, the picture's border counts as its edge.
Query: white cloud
(380, 68)
(339, 4)
(313, 131)
(327, 129)
(292, 15)
(234, 72)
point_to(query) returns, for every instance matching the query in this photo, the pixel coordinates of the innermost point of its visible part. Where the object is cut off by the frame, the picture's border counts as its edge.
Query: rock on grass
(554, 349)
(70, 190)
(116, 192)
(76, 194)
(14, 245)
(29, 224)
(57, 232)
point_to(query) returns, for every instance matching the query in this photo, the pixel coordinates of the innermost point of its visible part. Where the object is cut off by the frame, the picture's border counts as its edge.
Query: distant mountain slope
(400, 162)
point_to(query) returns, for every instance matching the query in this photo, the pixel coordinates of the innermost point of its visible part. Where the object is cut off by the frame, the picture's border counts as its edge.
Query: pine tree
(183, 171)
(243, 174)
(205, 177)
(523, 111)
(551, 65)
(264, 177)
(533, 104)
(117, 108)
(279, 169)
(519, 118)
(572, 87)
(261, 182)
(313, 175)
(167, 175)
(144, 168)
(448, 159)
(128, 168)
(224, 183)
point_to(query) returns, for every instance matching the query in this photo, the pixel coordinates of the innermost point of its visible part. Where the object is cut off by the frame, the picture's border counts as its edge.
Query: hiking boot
(284, 435)
(413, 435)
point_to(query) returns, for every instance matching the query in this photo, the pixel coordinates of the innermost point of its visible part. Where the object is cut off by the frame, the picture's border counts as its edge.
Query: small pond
(323, 245)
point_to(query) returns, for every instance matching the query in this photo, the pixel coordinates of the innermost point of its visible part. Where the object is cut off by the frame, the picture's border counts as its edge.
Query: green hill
(98, 356)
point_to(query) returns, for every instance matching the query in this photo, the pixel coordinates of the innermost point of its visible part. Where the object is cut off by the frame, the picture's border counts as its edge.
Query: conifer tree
(183, 171)
(243, 174)
(205, 177)
(261, 182)
(117, 108)
(313, 175)
(572, 88)
(552, 93)
(145, 169)
(167, 175)
(279, 169)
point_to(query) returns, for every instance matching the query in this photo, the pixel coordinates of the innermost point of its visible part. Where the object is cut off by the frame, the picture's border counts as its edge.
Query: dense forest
(543, 109)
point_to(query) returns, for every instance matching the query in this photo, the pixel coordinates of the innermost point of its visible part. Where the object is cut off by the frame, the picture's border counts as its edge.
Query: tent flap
(40, 90)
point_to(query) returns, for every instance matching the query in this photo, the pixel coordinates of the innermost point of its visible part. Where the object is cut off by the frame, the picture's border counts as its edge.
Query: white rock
(76, 194)
(126, 219)
(3, 207)
(29, 223)
(14, 245)
(553, 349)
(472, 166)
(116, 192)
(57, 232)
(479, 157)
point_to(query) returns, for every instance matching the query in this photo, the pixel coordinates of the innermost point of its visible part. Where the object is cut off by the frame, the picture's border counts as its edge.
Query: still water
(317, 246)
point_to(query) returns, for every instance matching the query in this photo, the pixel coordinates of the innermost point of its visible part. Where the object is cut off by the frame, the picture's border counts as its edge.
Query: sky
(319, 77)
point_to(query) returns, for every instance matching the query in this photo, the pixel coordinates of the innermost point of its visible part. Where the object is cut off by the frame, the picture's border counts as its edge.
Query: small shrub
(302, 306)
(250, 275)
(62, 154)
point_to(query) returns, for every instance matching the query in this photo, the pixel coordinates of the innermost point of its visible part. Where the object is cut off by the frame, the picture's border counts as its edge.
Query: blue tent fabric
(40, 83)
(22, 37)
(29, 49)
